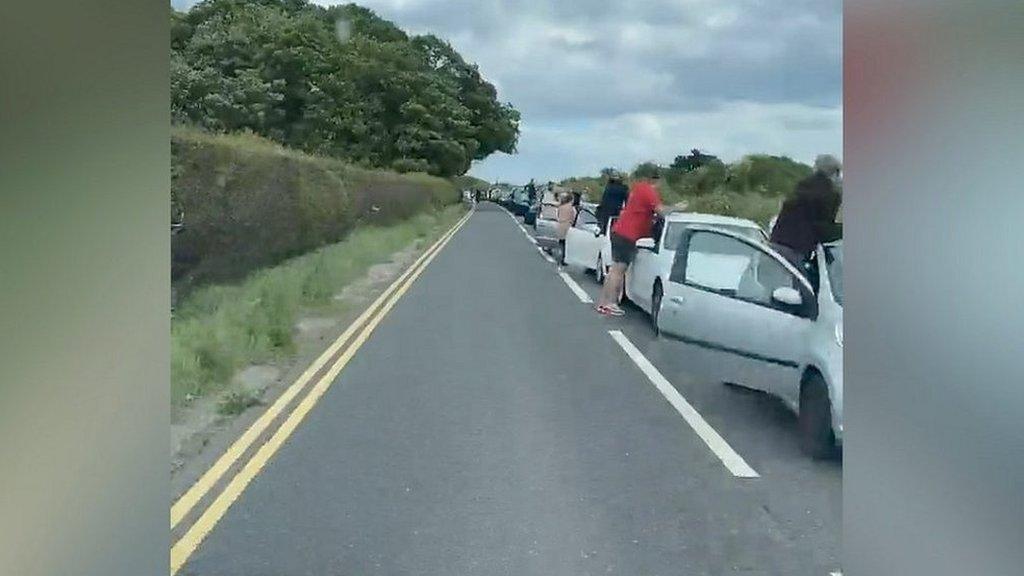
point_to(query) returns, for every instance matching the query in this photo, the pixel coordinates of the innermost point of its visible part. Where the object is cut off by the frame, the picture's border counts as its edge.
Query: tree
(695, 160)
(337, 81)
(646, 170)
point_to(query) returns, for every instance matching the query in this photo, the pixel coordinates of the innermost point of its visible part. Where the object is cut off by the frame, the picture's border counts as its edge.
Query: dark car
(520, 202)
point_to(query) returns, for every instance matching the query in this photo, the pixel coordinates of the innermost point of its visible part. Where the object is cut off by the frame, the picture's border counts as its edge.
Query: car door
(720, 296)
(605, 246)
(581, 241)
(644, 270)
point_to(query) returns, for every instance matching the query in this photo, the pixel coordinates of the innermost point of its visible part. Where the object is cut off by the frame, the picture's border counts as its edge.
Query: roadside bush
(767, 175)
(249, 203)
(748, 205)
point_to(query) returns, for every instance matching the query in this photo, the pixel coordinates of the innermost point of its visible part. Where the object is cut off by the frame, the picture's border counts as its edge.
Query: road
(491, 424)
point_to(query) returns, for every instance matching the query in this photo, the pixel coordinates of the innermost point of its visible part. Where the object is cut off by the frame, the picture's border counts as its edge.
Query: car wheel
(599, 271)
(815, 420)
(656, 308)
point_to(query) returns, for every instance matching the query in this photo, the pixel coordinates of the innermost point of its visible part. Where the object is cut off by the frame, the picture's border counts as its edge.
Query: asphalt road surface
(492, 425)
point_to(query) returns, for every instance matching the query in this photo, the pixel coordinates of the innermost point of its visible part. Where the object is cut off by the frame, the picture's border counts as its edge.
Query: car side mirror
(594, 228)
(788, 296)
(645, 243)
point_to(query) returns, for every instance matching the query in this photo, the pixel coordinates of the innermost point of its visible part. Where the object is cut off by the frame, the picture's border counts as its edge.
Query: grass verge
(219, 329)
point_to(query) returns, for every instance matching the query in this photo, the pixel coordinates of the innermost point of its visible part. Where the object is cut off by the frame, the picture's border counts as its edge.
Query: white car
(585, 246)
(646, 277)
(730, 293)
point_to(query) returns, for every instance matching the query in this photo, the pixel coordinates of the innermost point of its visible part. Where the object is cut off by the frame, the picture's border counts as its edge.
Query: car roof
(588, 206)
(698, 218)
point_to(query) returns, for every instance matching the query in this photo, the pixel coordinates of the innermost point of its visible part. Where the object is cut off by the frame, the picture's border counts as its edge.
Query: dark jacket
(612, 200)
(808, 216)
(531, 192)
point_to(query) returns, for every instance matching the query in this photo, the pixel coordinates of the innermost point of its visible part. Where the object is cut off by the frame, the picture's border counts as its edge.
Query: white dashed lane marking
(733, 461)
(579, 292)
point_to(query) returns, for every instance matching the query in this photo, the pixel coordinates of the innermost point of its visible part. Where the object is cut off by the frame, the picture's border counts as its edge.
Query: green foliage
(769, 175)
(336, 81)
(748, 205)
(592, 188)
(249, 203)
(751, 188)
(695, 160)
(646, 170)
(219, 329)
(471, 183)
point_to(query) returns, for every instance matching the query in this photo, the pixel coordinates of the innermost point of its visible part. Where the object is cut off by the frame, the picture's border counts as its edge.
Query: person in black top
(612, 200)
(531, 191)
(808, 216)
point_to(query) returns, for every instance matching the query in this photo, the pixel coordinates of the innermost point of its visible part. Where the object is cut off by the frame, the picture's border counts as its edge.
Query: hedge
(248, 203)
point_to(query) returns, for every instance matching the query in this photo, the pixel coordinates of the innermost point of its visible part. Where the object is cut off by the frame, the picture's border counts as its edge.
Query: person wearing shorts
(623, 250)
(634, 222)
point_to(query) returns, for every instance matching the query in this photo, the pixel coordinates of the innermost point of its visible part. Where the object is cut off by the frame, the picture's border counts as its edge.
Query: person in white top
(566, 216)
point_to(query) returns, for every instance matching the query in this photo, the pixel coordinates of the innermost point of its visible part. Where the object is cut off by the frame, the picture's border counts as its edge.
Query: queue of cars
(715, 282)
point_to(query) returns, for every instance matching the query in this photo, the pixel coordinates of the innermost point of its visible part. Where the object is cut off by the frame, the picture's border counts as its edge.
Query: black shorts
(623, 249)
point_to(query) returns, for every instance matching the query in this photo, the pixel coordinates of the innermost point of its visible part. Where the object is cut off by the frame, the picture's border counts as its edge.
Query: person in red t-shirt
(635, 222)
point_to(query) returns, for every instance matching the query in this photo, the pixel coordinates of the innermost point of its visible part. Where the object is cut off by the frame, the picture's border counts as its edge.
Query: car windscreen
(675, 232)
(834, 265)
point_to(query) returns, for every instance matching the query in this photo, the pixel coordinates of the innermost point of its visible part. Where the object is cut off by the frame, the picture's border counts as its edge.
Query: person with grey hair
(809, 216)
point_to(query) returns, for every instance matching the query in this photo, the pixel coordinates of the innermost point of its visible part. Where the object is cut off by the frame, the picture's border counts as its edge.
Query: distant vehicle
(505, 198)
(729, 292)
(585, 246)
(645, 278)
(520, 201)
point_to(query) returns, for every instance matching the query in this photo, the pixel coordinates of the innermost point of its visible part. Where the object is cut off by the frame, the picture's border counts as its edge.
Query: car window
(675, 230)
(585, 217)
(731, 267)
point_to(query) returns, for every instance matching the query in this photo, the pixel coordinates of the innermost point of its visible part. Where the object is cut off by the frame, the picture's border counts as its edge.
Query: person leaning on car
(809, 216)
(566, 216)
(635, 222)
(612, 200)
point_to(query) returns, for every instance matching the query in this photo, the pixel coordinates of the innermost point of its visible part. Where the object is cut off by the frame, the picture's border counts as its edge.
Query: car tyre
(656, 295)
(815, 420)
(599, 272)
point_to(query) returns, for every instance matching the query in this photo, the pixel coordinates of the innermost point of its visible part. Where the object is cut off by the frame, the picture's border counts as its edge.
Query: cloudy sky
(616, 82)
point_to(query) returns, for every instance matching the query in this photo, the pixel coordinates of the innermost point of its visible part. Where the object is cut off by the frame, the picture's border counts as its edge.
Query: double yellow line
(364, 325)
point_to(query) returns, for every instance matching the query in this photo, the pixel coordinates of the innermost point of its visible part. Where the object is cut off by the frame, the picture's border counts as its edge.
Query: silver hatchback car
(784, 327)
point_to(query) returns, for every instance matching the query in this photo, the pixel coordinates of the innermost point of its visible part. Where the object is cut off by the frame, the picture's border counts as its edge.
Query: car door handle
(676, 300)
